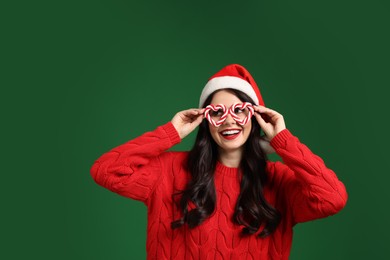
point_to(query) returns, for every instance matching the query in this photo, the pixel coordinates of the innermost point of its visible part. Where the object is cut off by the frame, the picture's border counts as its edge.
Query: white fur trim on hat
(227, 82)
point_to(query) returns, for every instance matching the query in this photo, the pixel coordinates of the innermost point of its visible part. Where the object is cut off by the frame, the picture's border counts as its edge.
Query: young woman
(223, 199)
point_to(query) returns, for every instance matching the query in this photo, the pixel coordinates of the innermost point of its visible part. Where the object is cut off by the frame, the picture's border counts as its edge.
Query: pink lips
(230, 136)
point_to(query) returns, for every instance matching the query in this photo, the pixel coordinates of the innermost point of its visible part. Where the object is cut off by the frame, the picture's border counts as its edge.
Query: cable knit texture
(301, 187)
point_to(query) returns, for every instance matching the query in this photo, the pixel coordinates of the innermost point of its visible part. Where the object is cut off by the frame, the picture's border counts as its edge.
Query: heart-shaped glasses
(217, 114)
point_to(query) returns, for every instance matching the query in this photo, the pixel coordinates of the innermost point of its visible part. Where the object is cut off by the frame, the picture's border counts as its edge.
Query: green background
(81, 77)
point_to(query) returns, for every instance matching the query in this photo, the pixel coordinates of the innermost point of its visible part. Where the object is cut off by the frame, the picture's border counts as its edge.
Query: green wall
(81, 77)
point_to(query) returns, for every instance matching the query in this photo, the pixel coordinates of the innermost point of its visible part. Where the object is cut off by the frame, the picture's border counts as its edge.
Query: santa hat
(232, 76)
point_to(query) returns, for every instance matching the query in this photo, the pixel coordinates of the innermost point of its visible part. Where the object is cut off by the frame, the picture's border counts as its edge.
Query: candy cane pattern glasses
(217, 114)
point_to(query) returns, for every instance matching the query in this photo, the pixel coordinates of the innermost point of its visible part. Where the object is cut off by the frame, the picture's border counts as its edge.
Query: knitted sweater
(302, 189)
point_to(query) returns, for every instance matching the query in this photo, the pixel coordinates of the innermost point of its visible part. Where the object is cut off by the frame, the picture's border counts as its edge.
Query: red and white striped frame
(242, 106)
(216, 108)
(229, 111)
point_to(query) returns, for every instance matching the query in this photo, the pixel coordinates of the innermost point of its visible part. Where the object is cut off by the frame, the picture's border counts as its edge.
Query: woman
(224, 199)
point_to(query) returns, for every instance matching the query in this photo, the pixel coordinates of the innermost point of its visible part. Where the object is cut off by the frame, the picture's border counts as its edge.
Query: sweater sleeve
(133, 168)
(311, 189)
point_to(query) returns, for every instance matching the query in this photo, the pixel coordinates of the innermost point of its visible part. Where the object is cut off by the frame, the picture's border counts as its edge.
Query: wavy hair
(252, 209)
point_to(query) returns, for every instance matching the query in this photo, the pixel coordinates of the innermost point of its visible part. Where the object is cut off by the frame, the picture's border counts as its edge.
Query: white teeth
(230, 132)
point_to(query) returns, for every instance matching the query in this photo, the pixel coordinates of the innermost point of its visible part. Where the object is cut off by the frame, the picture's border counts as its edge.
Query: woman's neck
(230, 158)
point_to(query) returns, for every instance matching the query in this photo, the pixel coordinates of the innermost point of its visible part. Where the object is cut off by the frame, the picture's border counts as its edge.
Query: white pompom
(265, 145)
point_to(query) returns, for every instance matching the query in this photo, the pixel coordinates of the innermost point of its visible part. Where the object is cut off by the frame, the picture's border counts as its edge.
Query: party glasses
(217, 114)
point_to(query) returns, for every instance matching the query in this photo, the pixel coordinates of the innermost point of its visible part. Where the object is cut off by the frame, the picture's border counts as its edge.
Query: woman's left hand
(269, 120)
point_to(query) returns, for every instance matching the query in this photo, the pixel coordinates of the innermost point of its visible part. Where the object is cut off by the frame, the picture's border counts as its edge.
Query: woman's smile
(230, 134)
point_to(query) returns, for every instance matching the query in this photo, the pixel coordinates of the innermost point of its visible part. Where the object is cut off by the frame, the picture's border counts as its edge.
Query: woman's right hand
(186, 121)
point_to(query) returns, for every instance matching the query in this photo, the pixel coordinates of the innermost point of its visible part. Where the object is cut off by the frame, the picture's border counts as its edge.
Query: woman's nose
(229, 119)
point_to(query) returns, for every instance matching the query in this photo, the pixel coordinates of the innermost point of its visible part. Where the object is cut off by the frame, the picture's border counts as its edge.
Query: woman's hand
(186, 121)
(270, 121)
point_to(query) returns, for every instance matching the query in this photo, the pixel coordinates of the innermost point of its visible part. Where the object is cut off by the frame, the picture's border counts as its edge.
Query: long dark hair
(251, 209)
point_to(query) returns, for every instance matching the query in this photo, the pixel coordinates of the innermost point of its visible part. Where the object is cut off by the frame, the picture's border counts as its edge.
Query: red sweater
(302, 189)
